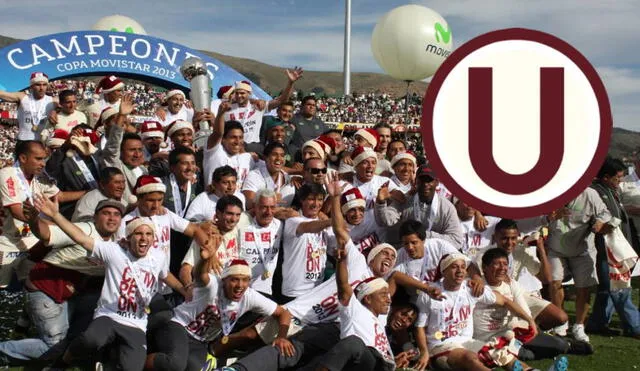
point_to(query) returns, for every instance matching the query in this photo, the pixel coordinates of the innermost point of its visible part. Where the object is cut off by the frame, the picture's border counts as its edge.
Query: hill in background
(271, 78)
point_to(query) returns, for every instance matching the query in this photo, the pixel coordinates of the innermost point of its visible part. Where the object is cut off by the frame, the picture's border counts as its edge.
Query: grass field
(611, 353)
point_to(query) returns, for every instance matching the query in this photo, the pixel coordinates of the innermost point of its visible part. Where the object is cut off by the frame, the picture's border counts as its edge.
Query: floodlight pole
(346, 69)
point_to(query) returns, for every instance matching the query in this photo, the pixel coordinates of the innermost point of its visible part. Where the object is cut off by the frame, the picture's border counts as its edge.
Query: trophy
(194, 70)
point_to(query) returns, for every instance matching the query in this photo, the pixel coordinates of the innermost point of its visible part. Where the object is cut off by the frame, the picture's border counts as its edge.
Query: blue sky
(310, 33)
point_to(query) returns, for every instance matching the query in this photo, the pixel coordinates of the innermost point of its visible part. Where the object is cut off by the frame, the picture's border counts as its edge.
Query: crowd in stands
(280, 242)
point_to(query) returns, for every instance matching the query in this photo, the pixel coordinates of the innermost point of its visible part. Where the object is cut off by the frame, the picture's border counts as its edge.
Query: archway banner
(96, 53)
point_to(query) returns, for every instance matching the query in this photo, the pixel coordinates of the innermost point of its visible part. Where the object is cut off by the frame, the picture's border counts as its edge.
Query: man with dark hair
(225, 146)
(224, 182)
(111, 185)
(384, 138)
(228, 220)
(68, 117)
(525, 263)
(124, 150)
(308, 126)
(607, 185)
(305, 244)
(18, 184)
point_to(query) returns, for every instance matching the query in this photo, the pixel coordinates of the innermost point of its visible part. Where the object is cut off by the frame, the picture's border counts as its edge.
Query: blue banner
(97, 53)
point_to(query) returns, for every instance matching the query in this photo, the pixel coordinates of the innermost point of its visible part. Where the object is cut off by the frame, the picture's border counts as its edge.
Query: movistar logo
(127, 30)
(442, 35)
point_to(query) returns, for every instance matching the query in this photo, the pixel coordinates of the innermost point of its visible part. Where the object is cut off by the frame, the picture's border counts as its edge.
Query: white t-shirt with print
(68, 122)
(475, 240)
(369, 190)
(357, 320)
(259, 178)
(184, 113)
(452, 316)
(259, 246)
(30, 112)
(425, 268)
(202, 317)
(320, 305)
(217, 157)
(492, 320)
(305, 258)
(120, 298)
(251, 119)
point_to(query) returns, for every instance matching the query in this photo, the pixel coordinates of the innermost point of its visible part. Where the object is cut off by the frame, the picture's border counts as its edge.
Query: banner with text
(97, 53)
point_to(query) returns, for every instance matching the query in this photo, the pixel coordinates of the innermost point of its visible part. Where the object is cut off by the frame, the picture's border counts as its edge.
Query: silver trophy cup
(194, 70)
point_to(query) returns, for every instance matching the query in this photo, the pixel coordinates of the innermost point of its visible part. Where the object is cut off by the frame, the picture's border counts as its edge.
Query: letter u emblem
(551, 132)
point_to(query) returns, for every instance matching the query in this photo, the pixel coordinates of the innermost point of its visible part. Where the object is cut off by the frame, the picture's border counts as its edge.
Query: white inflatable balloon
(119, 23)
(410, 42)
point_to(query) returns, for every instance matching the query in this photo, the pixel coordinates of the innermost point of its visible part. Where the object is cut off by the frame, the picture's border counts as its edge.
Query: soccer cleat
(579, 347)
(561, 330)
(560, 364)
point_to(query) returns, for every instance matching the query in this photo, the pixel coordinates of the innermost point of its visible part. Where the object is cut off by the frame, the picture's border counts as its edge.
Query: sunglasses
(316, 171)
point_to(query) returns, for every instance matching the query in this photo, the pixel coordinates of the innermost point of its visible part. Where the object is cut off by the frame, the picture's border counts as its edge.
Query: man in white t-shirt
(33, 108)
(217, 305)
(270, 175)
(249, 116)
(525, 263)
(111, 88)
(363, 341)
(131, 280)
(177, 108)
(228, 220)
(224, 182)
(260, 241)
(364, 230)
(150, 193)
(305, 245)
(365, 179)
(225, 146)
(404, 171)
(69, 117)
(449, 323)
(474, 239)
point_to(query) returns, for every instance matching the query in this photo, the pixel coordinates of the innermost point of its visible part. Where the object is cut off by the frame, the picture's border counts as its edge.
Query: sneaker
(560, 364)
(579, 347)
(561, 330)
(578, 333)
(99, 366)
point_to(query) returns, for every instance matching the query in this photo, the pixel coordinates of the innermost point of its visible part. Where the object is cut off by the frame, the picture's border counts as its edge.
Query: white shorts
(268, 329)
(536, 303)
(581, 268)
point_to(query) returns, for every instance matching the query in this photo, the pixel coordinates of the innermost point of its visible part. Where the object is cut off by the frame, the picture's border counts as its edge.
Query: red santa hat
(369, 286)
(370, 135)
(362, 153)
(178, 125)
(151, 129)
(321, 147)
(403, 156)
(37, 77)
(58, 138)
(330, 142)
(137, 222)
(173, 93)
(109, 84)
(105, 115)
(350, 199)
(236, 267)
(243, 85)
(147, 184)
(225, 92)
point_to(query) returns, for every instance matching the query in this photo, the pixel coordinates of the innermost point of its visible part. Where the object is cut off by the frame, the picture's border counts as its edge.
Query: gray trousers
(103, 331)
(177, 351)
(352, 354)
(312, 341)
